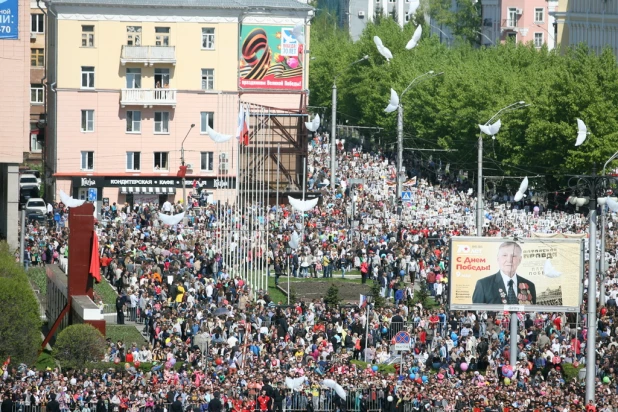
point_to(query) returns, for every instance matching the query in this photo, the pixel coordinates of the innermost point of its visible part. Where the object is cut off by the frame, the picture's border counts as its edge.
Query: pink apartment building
(525, 21)
(129, 80)
(14, 109)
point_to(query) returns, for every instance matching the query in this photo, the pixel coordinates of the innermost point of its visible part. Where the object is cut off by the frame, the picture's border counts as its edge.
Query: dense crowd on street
(219, 343)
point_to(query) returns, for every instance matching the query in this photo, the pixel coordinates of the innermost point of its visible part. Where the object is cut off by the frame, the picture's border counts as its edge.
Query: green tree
(78, 344)
(332, 295)
(20, 318)
(422, 295)
(378, 300)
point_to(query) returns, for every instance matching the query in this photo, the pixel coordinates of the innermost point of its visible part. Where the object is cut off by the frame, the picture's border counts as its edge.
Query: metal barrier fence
(322, 400)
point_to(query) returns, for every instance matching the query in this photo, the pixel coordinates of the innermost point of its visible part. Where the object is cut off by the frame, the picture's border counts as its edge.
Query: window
(511, 21)
(162, 78)
(538, 40)
(133, 161)
(37, 57)
(36, 146)
(87, 36)
(87, 161)
(134, 121)
(208, 38)
(134, 35)
(160, 161)
(208, 79)
(87, 77)
(162, 36)
(539, 15)
(206, 160)
(407, 16)
(162, 122)
(87, 120)
(37, 23)
(207, 118)
(36, 94)
(511, 37)
(134, 78)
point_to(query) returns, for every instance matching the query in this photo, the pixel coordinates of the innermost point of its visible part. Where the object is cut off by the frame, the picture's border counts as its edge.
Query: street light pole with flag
(243, 125)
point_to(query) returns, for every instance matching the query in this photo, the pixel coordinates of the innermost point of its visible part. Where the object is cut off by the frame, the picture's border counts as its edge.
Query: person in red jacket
(264, 402)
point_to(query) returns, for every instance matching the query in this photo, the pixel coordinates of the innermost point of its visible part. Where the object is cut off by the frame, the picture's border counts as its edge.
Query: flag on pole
(243, 125)
(363, 301)
(95, 269)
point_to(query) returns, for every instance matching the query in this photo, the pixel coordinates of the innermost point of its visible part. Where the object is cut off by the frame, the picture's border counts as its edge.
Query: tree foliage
(378, 300)
(445, 111)
(78, 344)
(332, 295)
(20, 320)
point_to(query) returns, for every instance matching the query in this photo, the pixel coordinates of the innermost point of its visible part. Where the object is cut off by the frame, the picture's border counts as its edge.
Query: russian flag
(243, 125)
(363, 301)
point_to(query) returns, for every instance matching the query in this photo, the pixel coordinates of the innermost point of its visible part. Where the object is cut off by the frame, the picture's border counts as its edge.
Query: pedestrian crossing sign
(406, 196)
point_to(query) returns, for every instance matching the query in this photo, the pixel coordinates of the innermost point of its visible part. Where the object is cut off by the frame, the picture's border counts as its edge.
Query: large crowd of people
(218, 343)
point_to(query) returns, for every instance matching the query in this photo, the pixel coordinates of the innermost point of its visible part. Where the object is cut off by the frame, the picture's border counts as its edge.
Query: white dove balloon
(329, 383)
(298, 33)
(522, 190)
(171, 220)
(69, 201)
(294, 240)
(294, 383)
(415, 38)
(582, 132)
(414, 4)
(216, 136)
(393, 103)
(550, 271)
(611, 204)
(313, 125)
(384, 51)
(491, 129)
(303, 205)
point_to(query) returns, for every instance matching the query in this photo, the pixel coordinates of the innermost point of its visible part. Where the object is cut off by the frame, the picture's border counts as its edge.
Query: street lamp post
(400, 172)
(182, 162)
(479, 194)
(603, 223)
(594, 185)
(333, 126)
(288, 251)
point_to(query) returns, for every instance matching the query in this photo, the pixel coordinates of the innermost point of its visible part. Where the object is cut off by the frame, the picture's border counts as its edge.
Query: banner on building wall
(270, 58)
(498, 274)
(9, 19)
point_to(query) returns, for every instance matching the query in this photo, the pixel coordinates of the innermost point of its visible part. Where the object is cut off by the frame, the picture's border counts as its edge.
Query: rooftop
(205, 4)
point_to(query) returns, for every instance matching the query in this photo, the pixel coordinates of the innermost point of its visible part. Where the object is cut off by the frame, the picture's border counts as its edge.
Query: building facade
(593, 22)
(519, 20)
(137, 84)
(523, 21)
(14, 109)
(38, 20)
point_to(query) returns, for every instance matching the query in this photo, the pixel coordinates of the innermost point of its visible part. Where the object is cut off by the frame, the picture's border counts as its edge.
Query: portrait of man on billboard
(506, 286)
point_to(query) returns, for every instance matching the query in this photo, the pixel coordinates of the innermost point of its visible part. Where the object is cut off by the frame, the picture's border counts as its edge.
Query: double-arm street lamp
(586, 189)
(333, 146)
(400, 171)
(479, 194)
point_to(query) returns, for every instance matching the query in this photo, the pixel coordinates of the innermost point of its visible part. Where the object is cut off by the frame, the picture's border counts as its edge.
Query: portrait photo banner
(533, 275)
(271, 58)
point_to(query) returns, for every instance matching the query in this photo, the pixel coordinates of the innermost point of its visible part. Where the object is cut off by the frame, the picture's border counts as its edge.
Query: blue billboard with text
(9, 19)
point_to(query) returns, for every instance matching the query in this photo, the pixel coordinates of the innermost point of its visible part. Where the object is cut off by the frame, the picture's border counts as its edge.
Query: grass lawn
(105, 292)
(126, 333)
(277, 296)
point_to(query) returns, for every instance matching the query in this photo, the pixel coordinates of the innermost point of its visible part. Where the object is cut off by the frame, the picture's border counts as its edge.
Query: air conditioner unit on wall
(361, 14)
(189, 166)
(32, 36)
(519, 11)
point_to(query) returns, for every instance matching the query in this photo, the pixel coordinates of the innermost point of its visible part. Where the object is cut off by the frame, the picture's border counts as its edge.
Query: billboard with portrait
(518, 276)
(271, 58)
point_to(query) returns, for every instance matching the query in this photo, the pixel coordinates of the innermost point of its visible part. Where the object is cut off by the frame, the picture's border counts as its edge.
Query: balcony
(148, 97)
(509, 24)
(148, 55)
